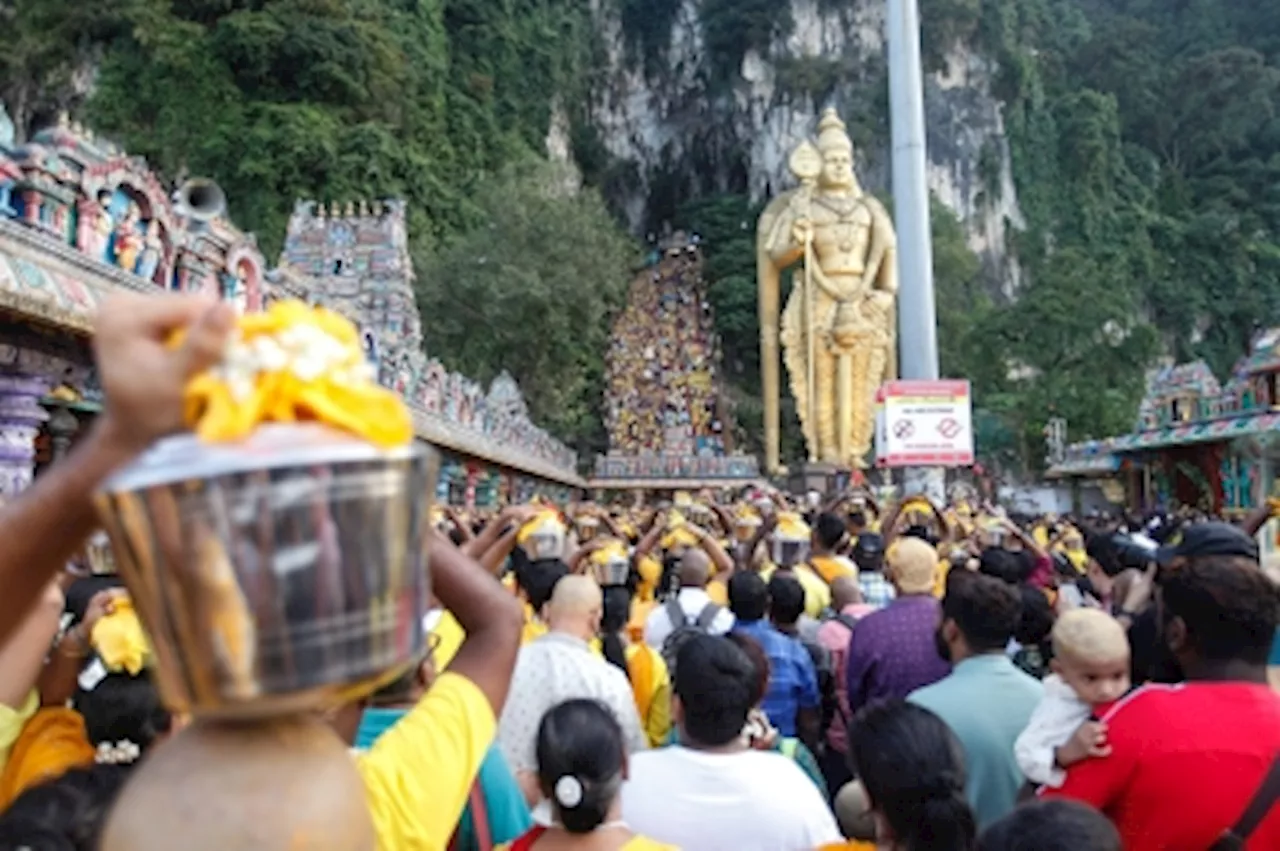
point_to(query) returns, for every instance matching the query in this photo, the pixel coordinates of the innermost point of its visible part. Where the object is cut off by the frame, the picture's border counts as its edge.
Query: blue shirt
(505, 806)
(793, 683)
(1275, 651)
(987, 702)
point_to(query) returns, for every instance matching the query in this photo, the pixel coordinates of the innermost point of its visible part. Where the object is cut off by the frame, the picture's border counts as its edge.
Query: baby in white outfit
(1090, 669)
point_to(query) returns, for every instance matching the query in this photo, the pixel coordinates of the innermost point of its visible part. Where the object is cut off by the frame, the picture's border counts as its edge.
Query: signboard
(924, 424)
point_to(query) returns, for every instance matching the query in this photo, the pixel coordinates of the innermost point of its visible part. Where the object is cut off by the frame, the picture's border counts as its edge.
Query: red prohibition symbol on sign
(949, 428)
(903, 429)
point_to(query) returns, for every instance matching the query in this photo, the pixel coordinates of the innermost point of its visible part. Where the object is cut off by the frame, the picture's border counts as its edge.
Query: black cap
(869, 544)
(1208, 539)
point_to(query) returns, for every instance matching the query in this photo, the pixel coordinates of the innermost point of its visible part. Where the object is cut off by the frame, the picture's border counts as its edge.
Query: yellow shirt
(718, 592)
(651, 684)
(417, 776)
(451, 638)
(817, 595)
(52, 743)
(831, 568)
(13, 720)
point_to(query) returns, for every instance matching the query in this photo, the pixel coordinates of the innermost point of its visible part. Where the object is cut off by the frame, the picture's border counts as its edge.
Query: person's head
(64, 813)
(715, 688)
(537, 579)
(1003, 564)
(582, 762)
(828, 535)
(1091, 654)
(868, 552)
(845, 591)
(856, 521)
(1036, 619)
(979, 616)
(1220, 612)
(912, 766)
(576, 607)
(911, 564)
(1104, 564)
(1051, 826)
(853, 812)
(617, 611)
(694, 569)
(748, 596)
(123, 715)
(837, 153)
(786, 600)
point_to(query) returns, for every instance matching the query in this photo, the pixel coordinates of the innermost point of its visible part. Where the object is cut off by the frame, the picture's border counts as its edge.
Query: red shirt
(1186, 759)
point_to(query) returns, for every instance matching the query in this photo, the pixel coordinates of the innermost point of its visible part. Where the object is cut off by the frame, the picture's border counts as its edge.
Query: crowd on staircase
(663, 396)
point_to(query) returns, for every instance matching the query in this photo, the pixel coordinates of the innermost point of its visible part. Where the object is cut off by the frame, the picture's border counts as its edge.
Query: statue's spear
(806, 165)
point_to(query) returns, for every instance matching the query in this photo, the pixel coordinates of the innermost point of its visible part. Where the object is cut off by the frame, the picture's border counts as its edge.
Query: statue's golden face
(837, 168)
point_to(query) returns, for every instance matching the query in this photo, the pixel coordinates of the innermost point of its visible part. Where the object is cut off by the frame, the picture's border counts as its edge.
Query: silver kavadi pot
(283, 573)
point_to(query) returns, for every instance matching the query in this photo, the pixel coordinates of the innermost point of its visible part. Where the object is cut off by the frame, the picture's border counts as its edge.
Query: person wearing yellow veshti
(788, 549)
(644, 666)
(542, 538)
(418, 775)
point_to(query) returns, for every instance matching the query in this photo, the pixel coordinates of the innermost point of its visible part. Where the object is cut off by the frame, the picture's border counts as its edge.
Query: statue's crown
(831, 132)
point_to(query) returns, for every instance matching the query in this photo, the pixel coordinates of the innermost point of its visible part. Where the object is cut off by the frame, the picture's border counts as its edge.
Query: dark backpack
(682, 629)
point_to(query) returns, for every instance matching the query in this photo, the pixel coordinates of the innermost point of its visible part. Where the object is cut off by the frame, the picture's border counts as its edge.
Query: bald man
(560, 666)
(691, 606)
(575, 608)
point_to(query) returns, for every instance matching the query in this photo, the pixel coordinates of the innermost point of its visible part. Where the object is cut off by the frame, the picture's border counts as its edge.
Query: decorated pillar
(21, 417)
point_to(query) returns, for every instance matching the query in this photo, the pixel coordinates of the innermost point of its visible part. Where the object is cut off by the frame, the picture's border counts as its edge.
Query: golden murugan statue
(838, 326)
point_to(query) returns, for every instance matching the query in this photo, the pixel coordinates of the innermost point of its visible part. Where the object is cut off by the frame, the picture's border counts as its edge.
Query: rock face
(690, 128)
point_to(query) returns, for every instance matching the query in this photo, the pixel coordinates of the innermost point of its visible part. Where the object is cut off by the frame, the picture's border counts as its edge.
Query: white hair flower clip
(123, 752)
(568, 791)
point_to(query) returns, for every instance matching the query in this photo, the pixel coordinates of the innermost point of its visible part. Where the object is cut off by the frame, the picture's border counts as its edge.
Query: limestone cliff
(680, 117)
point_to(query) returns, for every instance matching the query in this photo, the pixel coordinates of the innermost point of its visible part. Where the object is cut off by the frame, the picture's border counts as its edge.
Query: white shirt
(550, 670)
(692, 601)
(746, 801)
(1058, 714)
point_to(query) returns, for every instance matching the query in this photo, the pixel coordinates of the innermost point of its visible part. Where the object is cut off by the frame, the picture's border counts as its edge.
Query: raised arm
(487, 613)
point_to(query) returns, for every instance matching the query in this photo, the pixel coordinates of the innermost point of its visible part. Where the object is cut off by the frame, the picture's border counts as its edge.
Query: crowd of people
(662, 396)
(727, 671)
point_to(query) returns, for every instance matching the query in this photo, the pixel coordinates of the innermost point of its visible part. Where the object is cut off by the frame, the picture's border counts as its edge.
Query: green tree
(531, 289)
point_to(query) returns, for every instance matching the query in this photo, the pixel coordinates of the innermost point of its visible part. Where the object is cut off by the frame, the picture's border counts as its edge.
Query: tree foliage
(531, 289)
(1146, 152)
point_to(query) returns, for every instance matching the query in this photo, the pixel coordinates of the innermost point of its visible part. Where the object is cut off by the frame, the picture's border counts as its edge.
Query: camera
(1133, 550)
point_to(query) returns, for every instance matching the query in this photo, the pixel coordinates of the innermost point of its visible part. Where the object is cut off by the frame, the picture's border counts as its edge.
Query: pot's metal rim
(184, 457)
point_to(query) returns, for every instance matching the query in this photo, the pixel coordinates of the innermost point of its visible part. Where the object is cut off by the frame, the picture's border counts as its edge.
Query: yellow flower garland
(294, 363)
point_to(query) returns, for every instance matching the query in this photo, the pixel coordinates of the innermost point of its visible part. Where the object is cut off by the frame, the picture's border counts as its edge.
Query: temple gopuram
(80, 219)
(669, 422)
(1197, 442)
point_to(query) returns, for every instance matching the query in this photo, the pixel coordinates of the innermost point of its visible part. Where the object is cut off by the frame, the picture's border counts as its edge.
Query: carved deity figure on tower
(837, 331)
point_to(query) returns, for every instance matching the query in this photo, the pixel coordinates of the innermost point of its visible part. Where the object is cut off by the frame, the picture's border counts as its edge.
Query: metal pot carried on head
(282, 573)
